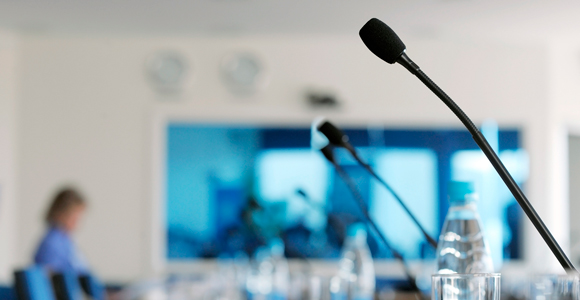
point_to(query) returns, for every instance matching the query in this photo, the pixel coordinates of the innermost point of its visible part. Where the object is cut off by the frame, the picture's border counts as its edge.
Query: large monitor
(231, 188)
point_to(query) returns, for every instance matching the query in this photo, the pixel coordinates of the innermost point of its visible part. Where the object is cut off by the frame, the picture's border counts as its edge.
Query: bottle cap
(262, 253)
(356, 230)
(461, 191)
(276, 246)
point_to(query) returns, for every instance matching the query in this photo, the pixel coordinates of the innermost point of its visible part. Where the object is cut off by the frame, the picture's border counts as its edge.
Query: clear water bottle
(259, 279)
(356, 275)
(280, 271)
(462, 247)
(269, 277)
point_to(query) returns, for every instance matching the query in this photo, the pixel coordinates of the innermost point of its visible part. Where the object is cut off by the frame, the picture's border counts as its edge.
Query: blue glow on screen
(412, 173)
(282, 174)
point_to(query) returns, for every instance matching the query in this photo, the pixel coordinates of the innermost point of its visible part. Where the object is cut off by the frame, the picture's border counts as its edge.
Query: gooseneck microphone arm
(498, 165)
(329, 155)
(369, 169)
(338, 138)
(384, 43)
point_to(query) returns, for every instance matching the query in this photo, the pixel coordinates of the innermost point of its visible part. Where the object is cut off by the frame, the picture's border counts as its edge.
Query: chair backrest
(33, 284)
(7, 293)
(92, 287)
(66, 286)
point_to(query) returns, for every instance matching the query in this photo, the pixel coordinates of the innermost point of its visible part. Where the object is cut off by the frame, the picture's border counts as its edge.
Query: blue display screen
(231, 188)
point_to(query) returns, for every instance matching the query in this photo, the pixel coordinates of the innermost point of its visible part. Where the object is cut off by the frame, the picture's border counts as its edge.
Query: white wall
(574, 189)
(565, 119)
(8, 111)
(87, 116)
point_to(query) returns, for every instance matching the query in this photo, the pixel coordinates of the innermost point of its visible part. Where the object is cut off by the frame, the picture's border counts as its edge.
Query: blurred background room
(186, 126)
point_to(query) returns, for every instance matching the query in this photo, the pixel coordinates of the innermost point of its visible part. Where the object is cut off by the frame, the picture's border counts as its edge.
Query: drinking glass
(554, 287)
(478, 286)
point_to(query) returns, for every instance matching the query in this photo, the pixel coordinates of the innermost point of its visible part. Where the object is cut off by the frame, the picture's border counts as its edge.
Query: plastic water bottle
(462, 247)
(269, 277)
(356, 275)
(280, 271)
(259, 278)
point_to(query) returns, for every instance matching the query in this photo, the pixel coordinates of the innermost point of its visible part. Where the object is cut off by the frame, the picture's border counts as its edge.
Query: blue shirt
(58, 253)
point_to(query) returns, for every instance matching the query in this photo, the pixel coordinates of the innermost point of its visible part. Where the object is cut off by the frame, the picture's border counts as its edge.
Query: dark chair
(66, 286)
(33, 284)
(92, 287)
(7, 293)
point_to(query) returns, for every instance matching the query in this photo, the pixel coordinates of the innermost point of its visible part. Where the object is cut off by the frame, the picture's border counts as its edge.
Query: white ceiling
(528, 19)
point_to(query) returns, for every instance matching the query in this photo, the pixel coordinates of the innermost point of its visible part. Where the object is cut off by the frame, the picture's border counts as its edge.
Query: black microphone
(336, 137)
(328, 153)
(385, 44)
(309, 200)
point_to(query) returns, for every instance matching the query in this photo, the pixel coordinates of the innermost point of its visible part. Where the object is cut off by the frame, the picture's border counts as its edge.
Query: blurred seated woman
(56, 251)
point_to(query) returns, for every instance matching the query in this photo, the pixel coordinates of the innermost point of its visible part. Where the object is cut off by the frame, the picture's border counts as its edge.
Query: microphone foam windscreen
(382, 40)
(334, 135)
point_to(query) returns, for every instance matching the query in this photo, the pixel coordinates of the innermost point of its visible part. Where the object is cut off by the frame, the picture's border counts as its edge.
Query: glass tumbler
(554, 287)
(477, 286)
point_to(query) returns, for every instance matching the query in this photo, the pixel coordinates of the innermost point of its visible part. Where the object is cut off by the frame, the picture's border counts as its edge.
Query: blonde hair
(64, 200)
